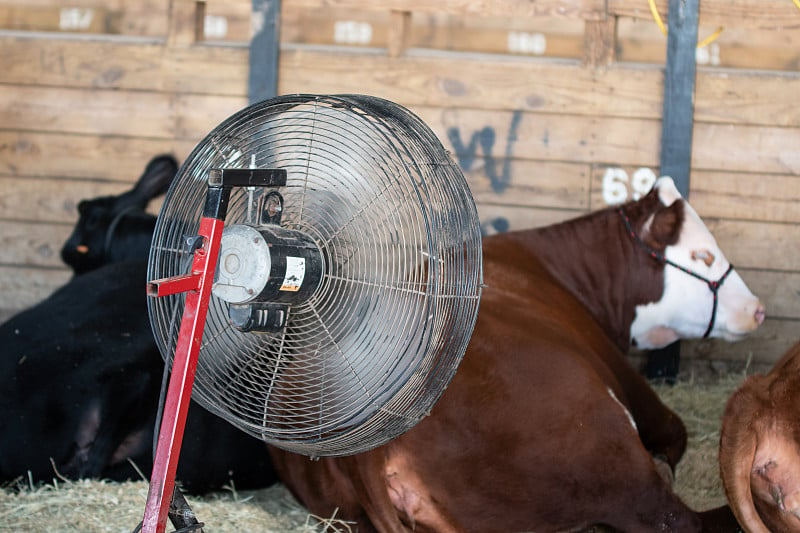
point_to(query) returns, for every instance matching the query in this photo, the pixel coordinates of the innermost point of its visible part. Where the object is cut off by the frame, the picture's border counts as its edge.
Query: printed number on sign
(75, 18)
(520, 42)
(352, 32)
(617, 188)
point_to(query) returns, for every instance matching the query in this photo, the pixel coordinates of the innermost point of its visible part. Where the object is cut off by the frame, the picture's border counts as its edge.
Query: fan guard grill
(366, 357)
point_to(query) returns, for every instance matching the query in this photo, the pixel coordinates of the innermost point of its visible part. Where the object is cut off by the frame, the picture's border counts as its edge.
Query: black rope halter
(113, 227)
(713, 286)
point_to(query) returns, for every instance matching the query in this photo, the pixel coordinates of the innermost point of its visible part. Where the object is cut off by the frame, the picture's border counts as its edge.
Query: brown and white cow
(546, 426)
(760, 449)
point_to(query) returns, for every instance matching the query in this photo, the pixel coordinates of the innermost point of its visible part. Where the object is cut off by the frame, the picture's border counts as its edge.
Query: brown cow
(760, 449)
(546, 426)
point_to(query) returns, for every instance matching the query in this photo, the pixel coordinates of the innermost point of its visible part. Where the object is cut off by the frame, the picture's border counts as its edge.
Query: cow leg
(660, 429)
(353, 488)
(637, 495)
(412, 500)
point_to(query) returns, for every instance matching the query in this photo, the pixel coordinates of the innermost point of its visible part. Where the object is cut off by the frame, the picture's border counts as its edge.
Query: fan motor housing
(266, 264)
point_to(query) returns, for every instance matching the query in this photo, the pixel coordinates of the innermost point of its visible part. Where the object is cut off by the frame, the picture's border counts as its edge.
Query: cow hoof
(664, 469)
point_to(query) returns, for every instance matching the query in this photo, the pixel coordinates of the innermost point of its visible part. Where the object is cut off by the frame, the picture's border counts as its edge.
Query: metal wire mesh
(368, 355)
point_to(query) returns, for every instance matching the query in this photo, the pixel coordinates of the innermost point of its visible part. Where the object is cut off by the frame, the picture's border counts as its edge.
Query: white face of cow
(686, 307)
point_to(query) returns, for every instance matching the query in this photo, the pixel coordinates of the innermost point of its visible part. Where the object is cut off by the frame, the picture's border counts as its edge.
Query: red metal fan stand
(197, 286)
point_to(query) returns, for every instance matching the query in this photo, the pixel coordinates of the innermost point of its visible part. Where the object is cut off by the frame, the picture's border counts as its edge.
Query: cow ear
(668, 192)
(156, 179)
(666, 224)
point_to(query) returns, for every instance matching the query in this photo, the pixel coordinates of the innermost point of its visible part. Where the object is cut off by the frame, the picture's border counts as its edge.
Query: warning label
(295, 272)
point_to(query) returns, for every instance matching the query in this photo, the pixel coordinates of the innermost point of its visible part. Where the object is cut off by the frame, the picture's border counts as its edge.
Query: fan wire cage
(367, 355)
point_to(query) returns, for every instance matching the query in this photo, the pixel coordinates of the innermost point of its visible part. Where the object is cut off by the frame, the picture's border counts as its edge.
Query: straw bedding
(97, 506)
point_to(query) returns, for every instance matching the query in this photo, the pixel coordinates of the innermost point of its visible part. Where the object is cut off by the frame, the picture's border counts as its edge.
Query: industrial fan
(330, 255)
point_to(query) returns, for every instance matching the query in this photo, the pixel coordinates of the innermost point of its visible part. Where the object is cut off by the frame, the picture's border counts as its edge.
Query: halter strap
(113, 227)
(713, 286)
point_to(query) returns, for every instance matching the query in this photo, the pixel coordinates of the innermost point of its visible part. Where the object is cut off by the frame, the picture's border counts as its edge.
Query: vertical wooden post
(600, 42)
(399, 33)
(186, 21)
(264, 50)
(676, 135)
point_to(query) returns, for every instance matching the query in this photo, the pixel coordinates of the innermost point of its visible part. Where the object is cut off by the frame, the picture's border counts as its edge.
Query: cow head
(694, 265)
(117, 228)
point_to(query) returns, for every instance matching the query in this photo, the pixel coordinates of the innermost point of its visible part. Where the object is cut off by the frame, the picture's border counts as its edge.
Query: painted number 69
(616, 184)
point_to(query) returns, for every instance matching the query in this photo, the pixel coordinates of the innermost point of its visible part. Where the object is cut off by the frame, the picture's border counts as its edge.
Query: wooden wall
(552, 108)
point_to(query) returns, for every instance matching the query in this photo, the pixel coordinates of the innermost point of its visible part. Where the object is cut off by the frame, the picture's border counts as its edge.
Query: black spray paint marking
(494, 225)
(486, 138)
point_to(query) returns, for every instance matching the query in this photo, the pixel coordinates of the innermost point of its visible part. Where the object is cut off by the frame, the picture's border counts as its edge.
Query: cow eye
(703, 255)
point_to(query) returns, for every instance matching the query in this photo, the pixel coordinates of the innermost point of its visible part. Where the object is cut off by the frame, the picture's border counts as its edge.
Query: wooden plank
(779, 291)
(32, 244)
(51, 200)
(742, 148)
(138, 64)
(519, 183)
(193, 125)
(762, 197)
(206, 69)
(500, 218)
(746, 48)
(54, 18)
(142, 18)
(766, 14)
(37, 154)
(541, 36)
(747, 97)
(583, 9)
(45, 59)
(466, 80)
(714, 194)
(765, 346)
(23, 287)
(433, 79)
(525, 183)
(758, 245)
(90, 111)
(546, 137)
(101, 112)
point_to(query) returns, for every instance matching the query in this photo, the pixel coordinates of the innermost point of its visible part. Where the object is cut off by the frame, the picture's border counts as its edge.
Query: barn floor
(93, 506)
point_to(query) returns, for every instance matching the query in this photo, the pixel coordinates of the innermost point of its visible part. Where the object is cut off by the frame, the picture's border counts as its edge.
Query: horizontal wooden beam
(764, 14)
(755, 196)
(139, 64)
(426, 79)
(42, 154)
(583, 9)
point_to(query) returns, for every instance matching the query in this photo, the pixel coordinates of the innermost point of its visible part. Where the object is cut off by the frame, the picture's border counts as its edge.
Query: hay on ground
(96, 506)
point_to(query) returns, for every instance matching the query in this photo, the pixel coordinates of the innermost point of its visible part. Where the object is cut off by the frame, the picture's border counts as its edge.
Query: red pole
(198, 287)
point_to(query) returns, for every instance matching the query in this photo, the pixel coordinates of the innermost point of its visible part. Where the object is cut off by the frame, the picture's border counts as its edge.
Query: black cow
(111, 229)
(80, 373)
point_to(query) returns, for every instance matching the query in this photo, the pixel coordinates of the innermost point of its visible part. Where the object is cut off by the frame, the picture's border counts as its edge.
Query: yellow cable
(713, 37)
(705, 42)
(657, 17)
(797, 3)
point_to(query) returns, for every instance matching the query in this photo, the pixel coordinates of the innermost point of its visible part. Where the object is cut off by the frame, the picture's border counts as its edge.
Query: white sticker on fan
(295, 272)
